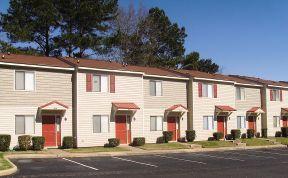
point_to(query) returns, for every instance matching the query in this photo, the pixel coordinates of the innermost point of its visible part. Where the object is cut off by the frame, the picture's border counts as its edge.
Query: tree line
(85, 28)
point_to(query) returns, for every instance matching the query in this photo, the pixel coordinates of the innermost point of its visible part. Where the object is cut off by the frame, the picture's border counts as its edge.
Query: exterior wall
(50, 85)
(203, 106)
(173, 92)
(252, 99)
(128, 88)
(274, 109)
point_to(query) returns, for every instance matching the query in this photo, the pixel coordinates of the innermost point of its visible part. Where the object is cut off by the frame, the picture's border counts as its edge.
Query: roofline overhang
(168, 77)
(277, 86)
(36, 66)
(227, 81)
(245, 84)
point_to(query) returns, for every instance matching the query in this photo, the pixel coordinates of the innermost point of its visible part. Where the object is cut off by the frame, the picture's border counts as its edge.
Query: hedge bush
(250, 133)
(235, 133)
(257, 134)
(24, 142)
(182, 140)
(229, 137)
(68, 142)
(167, 135)
(190, 135)
(264, 133)
(112, 142)
(211, 139)
(284, 131)
(217, 135)
(160, 140)
(138, 141)
(278, 134)
(5, 141)
(38, 143)
(244, 135)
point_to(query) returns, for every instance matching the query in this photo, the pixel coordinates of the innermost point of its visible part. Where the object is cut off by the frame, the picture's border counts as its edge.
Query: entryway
(123, 129)
(173, 126)
(285, 121)
(252, 123)
(51, 130)
(222, 125)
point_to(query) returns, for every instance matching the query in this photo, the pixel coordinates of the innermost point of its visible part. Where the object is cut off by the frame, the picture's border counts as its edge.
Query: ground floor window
(276, 121)
(208, 123)
(241, 122)
(24, 124)
(100, 124)
(156, 123)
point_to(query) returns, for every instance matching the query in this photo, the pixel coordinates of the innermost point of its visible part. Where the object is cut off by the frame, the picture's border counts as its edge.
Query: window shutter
(271, 95)
(200, 89)
(89, 82)
(281, 95)
(112, 83)
(215, 90)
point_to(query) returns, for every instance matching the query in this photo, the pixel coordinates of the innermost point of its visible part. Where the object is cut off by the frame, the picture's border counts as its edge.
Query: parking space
(238, 163)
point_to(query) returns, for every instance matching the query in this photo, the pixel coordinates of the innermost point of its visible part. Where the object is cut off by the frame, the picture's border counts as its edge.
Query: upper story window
(25, 80)
(275, 95)
(155, 88)
(240, 93)
(207, 90)
(100, 83)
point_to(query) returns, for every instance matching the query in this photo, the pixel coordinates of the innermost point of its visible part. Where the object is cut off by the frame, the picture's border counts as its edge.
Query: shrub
(160, 140)
(24, 142)
(167, 135)
(250, 133)
(284, 131)
(264, 133)
(182, 140)
(113, 142)
(229, 137)
(5, 141)
(257, 134)
(138, 141)
(236, 133)
(217, 135)
(68, 142)
(38, 143)
(278, 134)
(211, 139)
(244, 135)
(190, 135)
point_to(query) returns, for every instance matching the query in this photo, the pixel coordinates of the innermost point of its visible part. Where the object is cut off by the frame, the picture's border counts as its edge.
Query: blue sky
(247, 37)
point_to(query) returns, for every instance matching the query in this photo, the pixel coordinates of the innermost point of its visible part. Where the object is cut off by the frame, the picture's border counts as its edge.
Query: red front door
(122, 132)
(221, 125)
(49, 130)
(285, 121)
(252, 123)
(172, 126)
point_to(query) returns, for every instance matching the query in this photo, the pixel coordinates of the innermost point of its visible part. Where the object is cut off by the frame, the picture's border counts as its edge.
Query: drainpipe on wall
(190, 103)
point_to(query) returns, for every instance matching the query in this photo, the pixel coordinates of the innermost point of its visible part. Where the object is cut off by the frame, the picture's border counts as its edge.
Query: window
(241, 122)
(155, 88)
(207, 90)
(275, 95)
(156, 123)
(240, 93)
(24, 124)
(100, 124)
(100, 83)
(276, 121)
(208, 123)
(24, 80)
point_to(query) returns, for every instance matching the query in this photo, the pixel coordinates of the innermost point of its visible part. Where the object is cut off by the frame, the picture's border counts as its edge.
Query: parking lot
(239, 163)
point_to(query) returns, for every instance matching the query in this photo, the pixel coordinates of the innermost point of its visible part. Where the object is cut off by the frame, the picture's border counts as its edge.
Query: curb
(9, 171)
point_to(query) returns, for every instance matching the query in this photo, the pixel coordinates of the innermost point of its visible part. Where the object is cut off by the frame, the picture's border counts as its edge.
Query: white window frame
(101, 87)
(240, 97)
(243, 124)
(25, 71)
(155, 83)
(210, 126)
(156, 123)
(108, 126)
(276, 94)
(277, 121)
(15, 131)
(205, 93)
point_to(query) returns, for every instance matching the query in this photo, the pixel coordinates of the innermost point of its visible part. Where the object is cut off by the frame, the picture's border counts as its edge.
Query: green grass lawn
(256, 142)
(164, 146)
(4, 164)
(96, 149)
(282, 140)
(214, 144)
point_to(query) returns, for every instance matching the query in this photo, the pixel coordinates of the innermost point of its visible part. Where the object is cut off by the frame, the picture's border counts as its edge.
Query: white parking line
(244, 154)
(180, 159)
(128, 160)
(269, 152)
(220, 157)
(80, 164)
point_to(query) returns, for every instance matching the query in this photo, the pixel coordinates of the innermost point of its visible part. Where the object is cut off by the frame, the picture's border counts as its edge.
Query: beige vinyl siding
(50, 85)
(173, 92)
(206, 107)
(274, 109)
(128, 88)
